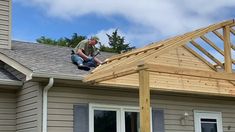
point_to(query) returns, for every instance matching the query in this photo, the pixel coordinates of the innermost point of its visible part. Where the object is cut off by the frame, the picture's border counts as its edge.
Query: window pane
(209, 127)
(105, 121)
(132, 122)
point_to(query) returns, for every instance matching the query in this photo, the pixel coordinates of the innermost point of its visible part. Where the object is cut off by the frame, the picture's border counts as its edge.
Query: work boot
(83, 67)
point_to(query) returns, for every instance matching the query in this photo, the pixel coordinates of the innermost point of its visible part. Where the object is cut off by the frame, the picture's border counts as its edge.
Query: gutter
(10, 82)
(45, 103)
(58, 76)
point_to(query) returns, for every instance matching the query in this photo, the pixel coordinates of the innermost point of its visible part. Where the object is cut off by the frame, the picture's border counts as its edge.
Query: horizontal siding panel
(4, 2)
(27, 125)
(7, 111)
(60, 129)
(2, 22)
(62, 99)
(33, 129)
(60, 123)
(28, 107)
(7, 128)
(26, 119)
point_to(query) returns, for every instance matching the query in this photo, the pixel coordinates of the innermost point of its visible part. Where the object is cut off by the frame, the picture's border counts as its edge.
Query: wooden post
(227, 50)
(144, 101)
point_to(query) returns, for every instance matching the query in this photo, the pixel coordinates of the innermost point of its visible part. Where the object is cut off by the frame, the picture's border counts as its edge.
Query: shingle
(42, 58)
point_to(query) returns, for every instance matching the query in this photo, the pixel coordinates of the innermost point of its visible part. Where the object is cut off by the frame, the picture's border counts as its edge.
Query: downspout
(44, 110)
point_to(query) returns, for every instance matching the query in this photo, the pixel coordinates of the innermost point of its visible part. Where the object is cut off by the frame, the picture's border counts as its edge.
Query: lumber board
(190, 72)
(213, 45)
(200, 57)
(144, 101)
(227, 49)
(218, 35)
(206, 53)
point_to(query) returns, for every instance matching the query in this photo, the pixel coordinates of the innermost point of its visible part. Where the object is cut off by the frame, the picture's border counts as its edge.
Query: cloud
(164, 17)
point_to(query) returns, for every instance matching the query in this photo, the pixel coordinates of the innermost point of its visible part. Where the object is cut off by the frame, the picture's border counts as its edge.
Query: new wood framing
(181, 63)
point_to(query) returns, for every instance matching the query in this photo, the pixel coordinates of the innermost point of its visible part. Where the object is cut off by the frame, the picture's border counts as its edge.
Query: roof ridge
(158, 44)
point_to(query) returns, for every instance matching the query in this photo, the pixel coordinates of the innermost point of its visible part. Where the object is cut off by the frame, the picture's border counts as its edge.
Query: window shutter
(81, 118)
(158, 120)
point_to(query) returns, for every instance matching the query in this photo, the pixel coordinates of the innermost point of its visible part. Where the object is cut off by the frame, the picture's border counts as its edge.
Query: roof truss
(127, 63)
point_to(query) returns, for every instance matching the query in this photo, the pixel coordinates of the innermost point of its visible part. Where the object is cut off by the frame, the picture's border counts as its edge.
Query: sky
(140, 21)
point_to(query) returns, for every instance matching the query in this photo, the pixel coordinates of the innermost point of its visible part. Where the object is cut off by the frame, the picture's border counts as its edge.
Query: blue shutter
(81, 118)
(158, 120)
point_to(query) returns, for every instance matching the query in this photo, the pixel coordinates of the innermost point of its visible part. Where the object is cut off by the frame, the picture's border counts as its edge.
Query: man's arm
(81, 54)
(98, 61)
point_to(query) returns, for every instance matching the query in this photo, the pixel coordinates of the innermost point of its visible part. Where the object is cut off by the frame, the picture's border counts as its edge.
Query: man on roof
(83, 55)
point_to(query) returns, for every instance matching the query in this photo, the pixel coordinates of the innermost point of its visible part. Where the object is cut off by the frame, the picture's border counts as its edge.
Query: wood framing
(206, 53)
(212, 44)
(200, 57)
(127, 63)
(227, 49)
(144, 101)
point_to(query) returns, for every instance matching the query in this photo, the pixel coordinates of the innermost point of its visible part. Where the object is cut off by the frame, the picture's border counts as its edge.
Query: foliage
(116, 44)
(66, 42)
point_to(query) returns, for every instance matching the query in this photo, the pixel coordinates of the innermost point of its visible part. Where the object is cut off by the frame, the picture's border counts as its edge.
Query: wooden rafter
(218, 35)
(148, 53)
(212, 44)
(200, 57)
(222, 38)
(232, 31)
(206, 53)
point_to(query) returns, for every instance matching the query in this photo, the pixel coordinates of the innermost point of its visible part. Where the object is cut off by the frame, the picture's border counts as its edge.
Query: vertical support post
(144, 101)
(227, 49)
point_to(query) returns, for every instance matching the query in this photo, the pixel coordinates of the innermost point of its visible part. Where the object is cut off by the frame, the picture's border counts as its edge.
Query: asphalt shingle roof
(48, 59)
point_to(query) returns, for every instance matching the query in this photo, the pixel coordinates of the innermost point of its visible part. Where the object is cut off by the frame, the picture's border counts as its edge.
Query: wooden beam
(233, 46)
(232, 31)
(222, 38)
(213, 45)
(206, 53)
(144, 101)
(200, 57)
(227, 50)
(190, 72)
(110, 75)
(218, 35)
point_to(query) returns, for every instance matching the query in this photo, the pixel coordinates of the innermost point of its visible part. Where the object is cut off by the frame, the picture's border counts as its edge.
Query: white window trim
(120, 109)
(198, 114)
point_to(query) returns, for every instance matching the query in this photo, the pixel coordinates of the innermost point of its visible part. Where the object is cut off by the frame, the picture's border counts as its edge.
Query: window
(206, 121)
(107, 118)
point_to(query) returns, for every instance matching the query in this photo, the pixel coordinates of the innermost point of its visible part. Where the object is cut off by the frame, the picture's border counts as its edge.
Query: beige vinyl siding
(29, 102)
(62, 99)
(5, 23)
(7, 111)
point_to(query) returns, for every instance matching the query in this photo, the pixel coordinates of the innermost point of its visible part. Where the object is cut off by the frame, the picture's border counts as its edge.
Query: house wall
(29, 110)
(7, 111)
(62, 99)
(5, 23)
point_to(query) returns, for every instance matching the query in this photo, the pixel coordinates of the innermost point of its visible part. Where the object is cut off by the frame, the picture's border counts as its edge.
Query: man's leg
(79, 62)
(91, 63)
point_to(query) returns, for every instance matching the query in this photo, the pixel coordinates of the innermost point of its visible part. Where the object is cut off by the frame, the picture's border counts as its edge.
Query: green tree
(117, 43)
(63, 41)
(75, 39)
(46, 40)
